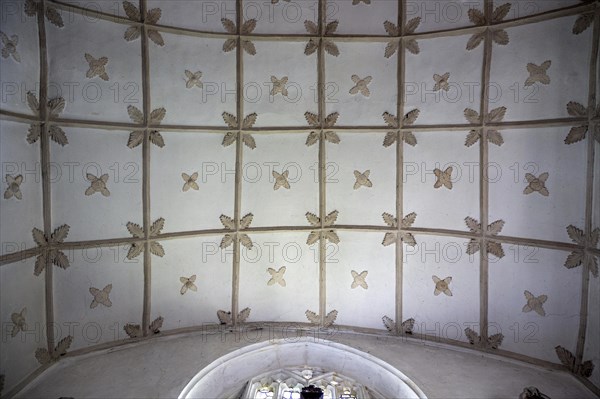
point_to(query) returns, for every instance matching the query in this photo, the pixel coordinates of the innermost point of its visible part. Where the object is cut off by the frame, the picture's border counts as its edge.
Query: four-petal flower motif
(189, 181)
(360, 85)
(444, 178)
(315, 122)
(193, 79)
(359, 279)
(393, 30)
(392, 121)
(9, 48)
(583, 256)
(441, 82)
(313, 44)
(535, 303)
(14, 187)
(406, 237)
(493, 136)
(442, 285)
(51, 254)
(281, 180)
(493, 247)
(537, 184)
(138, 232)
(19, 323)
(538, 73)
(188, 284)
(101, 296)
(137, 137)
(152, 17)
(97, 67)
(499, 36)
(279, 86)
(247, 123)
(230, 238)
(232, 43)
(327, 234)
(277, 276)
(362, 179)
(97, 184)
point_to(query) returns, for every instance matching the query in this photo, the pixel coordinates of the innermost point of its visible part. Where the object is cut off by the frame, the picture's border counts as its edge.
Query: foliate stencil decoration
(97, 67)
(442, 285)
(393, 30)
(583, 22)
(135, 330)
(101, 296)
(232, 43)
(19, 323)
(276, 276)
(243, 238)
(138, 232)
(327, 234)
(152, 17)
(226, 319)
(534, 303)
(585, 369)
(189, 181)
(578, 133)
(44, 357)
(495, 248)
(493, 136)
(362, 179)
(392, 121)
(441, 82)
(406, 327)
(279, 86)
(9, 46)
(316, 319)
(53, 255)
(14, 187)
(188, 284)
(499, 36)
(97, 184)
(390, 238)
(359, 279)
(137, 137)
(32, 7)
(491, 342)
(360, 85)
(193, 79)
(315, 122)
(247, 123)
(55, 107)
(537, 184)
(583, 256)
(538, 73)
(313, 44)
(281, 180)
(444, 178)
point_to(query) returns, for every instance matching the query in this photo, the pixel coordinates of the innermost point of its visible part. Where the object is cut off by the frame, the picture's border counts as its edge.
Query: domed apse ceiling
(393, 167)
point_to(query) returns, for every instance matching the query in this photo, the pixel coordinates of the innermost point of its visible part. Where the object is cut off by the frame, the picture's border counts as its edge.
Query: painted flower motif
(97, 67)
(493, 136)
(583, 256)
(54, 255)
(279, 86)
(277, 276)
(441, 82)
(193, 79)
(328, 45)
(495, 248)
(406, 237)
(9, 46)
(247, 123)
(411, 44)
(189, 181)
(360, 85)
(537, 184)
(247, 28)
(538, 73)
(152, 17)
(315, 122)
(188, 284)
(137, 137)
(98, 185)
(326, 234)
(499, 36)
(281, 180)
(444, 178)
(243, 238)
(101, 296)
(442, 285)
(328, 320)
(359, 279)
(362, 179)
(392, 121)
(226, 319)
(14, 187)
(578, 133)
(138, 232)
(19, 323)
(55, 107)
(535, 303)
(406, 326)
(32, 7)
